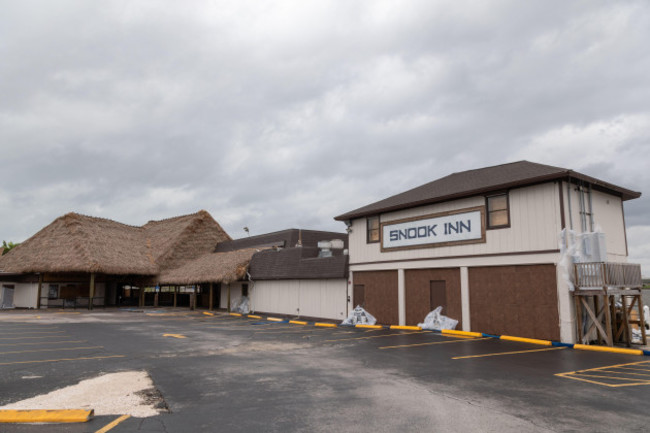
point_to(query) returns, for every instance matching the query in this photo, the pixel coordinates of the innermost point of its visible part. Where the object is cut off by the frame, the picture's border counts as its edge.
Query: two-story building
(484, 244)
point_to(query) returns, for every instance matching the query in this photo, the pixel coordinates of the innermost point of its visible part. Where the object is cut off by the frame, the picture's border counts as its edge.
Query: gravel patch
(124, 393)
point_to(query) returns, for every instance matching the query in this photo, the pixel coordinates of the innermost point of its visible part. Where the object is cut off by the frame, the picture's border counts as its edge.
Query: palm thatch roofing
(211, 268)
(80, 243)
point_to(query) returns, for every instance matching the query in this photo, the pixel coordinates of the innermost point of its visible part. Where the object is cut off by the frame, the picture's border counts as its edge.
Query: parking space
(250, 374)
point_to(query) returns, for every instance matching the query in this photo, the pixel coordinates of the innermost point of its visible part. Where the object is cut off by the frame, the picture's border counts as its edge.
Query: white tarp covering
(359, 316)
(241, 305)
(435, 321)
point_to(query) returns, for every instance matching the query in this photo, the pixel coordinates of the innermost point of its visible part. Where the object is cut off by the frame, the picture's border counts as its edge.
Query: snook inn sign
(444, 229)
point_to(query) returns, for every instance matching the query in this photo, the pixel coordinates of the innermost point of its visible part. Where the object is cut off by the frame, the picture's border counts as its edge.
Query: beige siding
(608, 217)
(310, 298)
(25, 295)
(235, 293)
(534, 226)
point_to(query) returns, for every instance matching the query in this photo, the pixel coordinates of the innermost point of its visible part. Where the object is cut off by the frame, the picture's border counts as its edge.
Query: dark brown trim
(480, 209)
(487, 210)
(562, 217)
(624, 229)
(516, 253)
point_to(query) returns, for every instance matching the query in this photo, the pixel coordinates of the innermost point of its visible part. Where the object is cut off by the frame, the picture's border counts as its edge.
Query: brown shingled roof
(481, 181)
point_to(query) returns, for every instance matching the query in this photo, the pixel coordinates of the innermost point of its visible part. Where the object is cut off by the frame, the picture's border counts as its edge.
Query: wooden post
(40, 287)
(91, 293)
(194, 299)
(211, 296)
(141, 302)
(175, 292)
(229, 297)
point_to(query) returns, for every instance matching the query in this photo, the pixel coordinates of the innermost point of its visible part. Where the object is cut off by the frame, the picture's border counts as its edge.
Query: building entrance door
(359, 295)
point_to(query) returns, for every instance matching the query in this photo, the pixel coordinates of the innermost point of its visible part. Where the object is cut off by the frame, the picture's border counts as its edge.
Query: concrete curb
(606, 349)
(50, 416)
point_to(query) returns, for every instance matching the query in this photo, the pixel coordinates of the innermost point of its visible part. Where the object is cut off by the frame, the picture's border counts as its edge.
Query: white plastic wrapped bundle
(359, 316)
(437, 322)
(240, 305)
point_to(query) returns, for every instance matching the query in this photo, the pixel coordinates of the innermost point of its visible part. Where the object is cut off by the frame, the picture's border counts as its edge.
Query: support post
(40, 287)
(141, 302)
(211, 296)
(91, 294)
(464, 299)
(229, 297)
(175, 293)
(401, 297)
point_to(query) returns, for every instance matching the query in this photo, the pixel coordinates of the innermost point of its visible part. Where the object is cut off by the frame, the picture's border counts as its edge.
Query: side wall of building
(608, 217)
(324, 298)
(534, 227)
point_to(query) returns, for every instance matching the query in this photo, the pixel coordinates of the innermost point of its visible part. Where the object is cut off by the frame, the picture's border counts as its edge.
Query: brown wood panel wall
(380, 291)
(515, 300)
(418, 283)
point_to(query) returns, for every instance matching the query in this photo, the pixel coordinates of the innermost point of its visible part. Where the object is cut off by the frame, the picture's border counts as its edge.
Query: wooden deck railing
(607, 274)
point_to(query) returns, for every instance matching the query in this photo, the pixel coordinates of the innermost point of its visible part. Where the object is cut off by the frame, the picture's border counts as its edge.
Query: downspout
(591, 212)
(568, 189)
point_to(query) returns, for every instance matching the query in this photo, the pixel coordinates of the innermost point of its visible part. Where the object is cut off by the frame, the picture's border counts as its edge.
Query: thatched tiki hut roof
(211, 268)
(80, 243)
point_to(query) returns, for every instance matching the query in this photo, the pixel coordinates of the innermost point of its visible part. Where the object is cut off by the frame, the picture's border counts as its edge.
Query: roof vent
(325, 249)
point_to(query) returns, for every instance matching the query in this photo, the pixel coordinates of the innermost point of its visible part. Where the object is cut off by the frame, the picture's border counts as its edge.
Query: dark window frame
(368, 230)
(244, 289)
(488, 226)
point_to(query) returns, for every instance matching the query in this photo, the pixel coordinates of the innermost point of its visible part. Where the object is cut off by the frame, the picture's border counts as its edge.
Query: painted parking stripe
(25, 328)
(51, 350)
(23, 338)
(613, 376)
(113, 423)
(42, 342)
(63, 359)
(403, 346)
(33, 332)
(292, 331)
(374, 336)
(516, 352)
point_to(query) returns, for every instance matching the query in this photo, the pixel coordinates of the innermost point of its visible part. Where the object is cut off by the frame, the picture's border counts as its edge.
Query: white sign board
(459, 227)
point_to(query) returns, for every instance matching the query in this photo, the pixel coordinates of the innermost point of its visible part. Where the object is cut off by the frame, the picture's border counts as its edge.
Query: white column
(464, 297)
(401, 297)
(349, 292)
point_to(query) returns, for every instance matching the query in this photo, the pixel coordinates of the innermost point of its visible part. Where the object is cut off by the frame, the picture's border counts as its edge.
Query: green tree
(8, 246)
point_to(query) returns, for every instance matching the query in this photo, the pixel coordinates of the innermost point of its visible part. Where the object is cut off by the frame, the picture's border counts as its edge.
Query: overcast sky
(285, 114)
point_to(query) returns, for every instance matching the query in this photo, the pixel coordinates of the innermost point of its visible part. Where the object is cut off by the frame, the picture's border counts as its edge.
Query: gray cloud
(285, 114)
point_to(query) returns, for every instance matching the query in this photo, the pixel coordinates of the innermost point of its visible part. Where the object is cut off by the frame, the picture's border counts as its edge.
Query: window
(244, 289)
(373, 229)
(497, 211)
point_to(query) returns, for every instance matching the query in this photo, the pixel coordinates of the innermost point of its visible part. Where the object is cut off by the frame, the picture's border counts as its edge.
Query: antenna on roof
(247, 232)
(299, 244)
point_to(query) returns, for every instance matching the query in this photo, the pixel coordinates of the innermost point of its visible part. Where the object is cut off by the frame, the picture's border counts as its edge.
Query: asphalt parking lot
(225, 373)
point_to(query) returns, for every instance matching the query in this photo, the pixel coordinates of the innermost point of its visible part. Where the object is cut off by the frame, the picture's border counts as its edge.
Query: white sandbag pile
(435, 321)
(359, 316)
